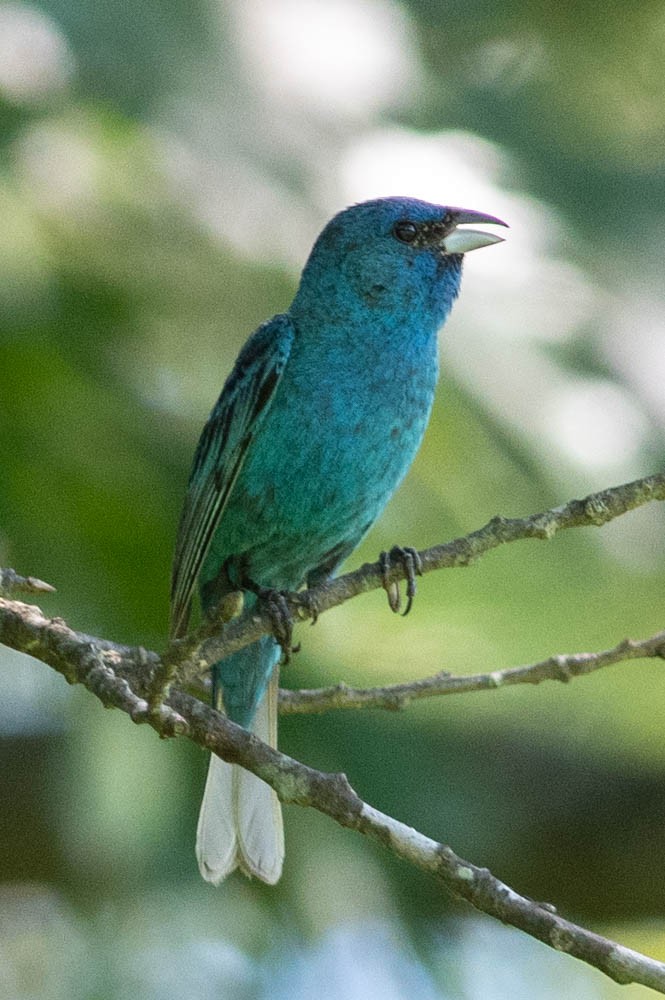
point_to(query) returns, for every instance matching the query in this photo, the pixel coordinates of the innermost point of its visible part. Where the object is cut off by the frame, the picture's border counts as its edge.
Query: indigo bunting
(315, 427)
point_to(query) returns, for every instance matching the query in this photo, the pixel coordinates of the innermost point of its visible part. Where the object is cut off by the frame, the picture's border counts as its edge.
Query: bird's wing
(221, 452)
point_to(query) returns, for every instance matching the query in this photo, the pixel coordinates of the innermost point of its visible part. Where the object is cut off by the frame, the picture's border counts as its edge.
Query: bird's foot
(309, 605)
(276, 605)
(410, 561)
(282, 607)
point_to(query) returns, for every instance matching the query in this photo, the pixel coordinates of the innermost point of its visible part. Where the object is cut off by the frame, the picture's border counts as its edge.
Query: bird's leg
(276, 604)
(307, 601)
(412, 565)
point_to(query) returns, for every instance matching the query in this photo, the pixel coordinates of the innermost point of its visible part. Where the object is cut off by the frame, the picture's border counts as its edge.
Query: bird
(316, 426)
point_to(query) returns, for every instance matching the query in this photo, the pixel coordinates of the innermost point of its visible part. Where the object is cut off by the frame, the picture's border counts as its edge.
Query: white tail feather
(259, 826)
(240, 823)
(216, 845)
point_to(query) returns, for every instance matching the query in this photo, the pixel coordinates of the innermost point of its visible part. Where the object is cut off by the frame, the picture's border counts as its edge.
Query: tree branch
(561, 667)
(81, 659)
(194, 655)
(135, 681)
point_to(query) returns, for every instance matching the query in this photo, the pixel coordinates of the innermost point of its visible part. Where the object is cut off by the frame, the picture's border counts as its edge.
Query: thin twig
(12, 582)
(561, 667)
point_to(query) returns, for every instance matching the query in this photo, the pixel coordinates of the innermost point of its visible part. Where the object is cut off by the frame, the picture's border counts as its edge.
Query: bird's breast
(341, 434)
(338, 438)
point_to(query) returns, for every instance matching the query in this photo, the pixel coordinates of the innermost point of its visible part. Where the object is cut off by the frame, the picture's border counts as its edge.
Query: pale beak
(463, 240)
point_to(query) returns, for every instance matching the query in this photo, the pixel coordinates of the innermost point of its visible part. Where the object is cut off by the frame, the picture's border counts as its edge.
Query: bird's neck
(357, 308)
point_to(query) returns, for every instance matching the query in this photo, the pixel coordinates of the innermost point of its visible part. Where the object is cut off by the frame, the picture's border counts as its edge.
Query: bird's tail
(240, 823)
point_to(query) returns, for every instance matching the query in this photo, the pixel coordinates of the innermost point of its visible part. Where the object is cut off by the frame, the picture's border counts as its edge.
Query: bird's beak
(462, 240)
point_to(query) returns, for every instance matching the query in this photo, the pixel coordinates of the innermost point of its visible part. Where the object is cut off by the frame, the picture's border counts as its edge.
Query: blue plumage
(316, 426)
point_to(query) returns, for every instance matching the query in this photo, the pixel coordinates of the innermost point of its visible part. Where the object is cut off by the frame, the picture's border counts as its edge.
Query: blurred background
(164, 169)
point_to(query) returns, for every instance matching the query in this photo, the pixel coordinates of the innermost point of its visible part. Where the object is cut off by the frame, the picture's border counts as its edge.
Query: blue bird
(315, 427)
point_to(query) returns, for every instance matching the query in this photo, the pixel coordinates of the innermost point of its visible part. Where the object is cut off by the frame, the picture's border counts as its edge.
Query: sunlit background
(164, 170)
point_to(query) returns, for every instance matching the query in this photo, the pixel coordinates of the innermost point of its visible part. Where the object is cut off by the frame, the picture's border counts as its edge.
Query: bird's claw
(276, 606)
(309, 604)
(411, 563)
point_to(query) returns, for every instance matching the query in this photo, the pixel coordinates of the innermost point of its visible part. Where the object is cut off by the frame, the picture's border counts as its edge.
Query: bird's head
(397, 254)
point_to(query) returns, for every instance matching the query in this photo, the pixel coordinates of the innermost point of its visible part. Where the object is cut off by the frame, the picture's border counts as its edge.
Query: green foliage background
(127, 188)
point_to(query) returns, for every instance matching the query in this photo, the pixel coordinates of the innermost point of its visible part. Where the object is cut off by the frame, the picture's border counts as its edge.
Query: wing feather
(220, 453)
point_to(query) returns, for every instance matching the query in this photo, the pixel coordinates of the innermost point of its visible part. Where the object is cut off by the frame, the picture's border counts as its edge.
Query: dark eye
(405, 232)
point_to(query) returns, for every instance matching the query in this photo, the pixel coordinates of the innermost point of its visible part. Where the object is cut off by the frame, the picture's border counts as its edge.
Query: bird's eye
(405, 232)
